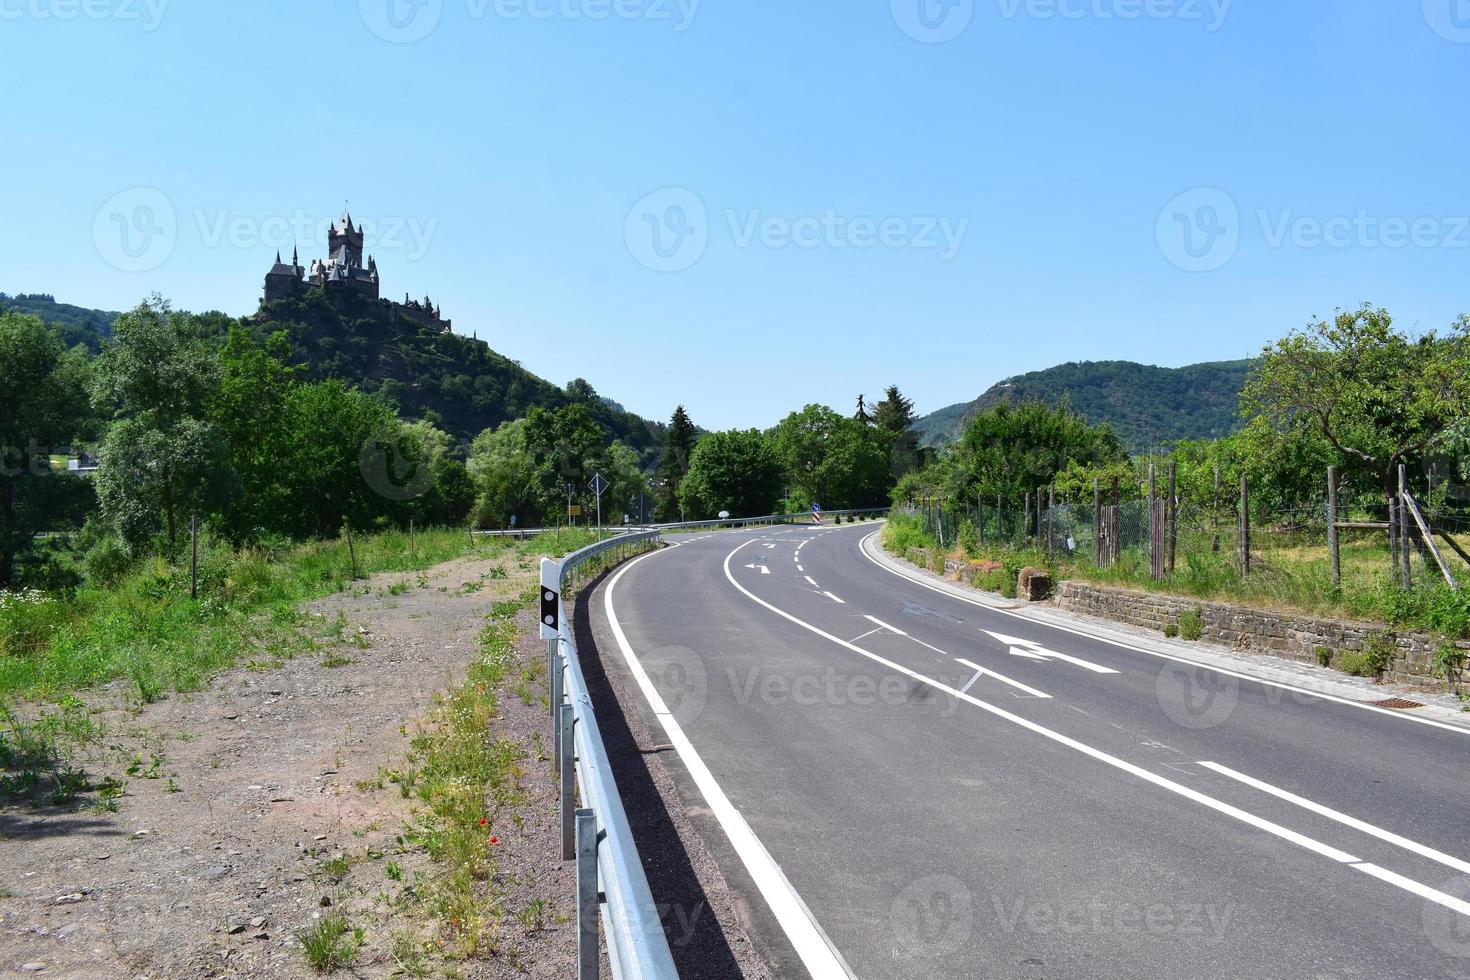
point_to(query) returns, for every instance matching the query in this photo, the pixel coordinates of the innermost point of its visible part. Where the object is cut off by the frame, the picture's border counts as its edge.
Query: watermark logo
(1100, 918)
(1195, 697)
(394, 469)
(668, 230)
(136, 229)
(933, 917)
(1211, 13)
(933, 21)
(1448, 929)
(1450, 19)
(679, 675)
(1199, 231)
(401, 21)
(148, 13)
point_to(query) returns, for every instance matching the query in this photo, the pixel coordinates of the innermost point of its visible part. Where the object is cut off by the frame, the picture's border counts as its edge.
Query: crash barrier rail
(531, 532)
(611, 885)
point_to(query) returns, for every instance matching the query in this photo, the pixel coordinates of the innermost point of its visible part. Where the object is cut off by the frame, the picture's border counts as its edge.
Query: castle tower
(343, 236)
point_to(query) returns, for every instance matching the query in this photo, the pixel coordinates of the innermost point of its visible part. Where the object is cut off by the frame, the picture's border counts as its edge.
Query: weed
(1449, 662)
(171, 786)
(109, 792)
(533, 916)
(1191, 624)
(1378, 654)
(393, 870)
(1324, 656)
(398, 588)
(1171, 630)
(331, 943)
(335, 660)
(409, 954)
(336, 868)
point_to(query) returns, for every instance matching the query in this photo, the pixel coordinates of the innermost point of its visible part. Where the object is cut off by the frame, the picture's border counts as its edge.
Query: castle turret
(345, 239)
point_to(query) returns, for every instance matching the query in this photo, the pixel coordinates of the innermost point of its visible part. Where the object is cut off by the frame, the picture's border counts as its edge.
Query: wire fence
(1354, 532)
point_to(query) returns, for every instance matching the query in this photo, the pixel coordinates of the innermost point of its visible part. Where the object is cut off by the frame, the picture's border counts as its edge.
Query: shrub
(1352, 662)
(1324, 656)
(1171, 631)
(1378, 654)
(1191, 624)
(1449, 661)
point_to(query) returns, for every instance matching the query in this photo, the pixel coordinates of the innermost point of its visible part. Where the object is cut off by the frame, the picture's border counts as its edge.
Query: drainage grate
(1397, 704)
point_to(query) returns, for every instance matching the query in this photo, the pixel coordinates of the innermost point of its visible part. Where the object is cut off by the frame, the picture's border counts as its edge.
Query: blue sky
(745, 207)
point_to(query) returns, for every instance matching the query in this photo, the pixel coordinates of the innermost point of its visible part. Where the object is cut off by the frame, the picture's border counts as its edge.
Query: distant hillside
(1144, 404)
(78, 324)
(466, 384)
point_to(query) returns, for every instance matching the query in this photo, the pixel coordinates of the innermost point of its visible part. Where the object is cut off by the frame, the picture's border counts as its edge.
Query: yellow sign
(575, 510)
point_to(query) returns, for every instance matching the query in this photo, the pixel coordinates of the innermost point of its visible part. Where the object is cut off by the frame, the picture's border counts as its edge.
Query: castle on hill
(343, 274)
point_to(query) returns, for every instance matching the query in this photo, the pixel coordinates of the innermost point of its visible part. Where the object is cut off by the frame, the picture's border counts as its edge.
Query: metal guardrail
(610, 879)
(531, 532)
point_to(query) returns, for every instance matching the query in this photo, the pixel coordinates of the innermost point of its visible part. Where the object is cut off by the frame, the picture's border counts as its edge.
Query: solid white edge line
(1423, 850)
(1005, 680)
(816, 951)
(1163, 656)
(1220, 806)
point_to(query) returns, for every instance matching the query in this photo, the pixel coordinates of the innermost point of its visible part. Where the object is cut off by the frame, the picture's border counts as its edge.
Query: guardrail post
(553, 671)
(587, 952)
(566, 752)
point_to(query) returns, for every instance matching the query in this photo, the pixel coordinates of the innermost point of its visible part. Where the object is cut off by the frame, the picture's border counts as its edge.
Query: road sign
(598, 484)
(575, 510)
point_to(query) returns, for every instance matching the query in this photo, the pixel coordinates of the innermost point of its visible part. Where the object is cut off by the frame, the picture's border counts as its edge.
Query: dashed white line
(834, 598)
(811, 580)
(892, 629)
(1162, 782)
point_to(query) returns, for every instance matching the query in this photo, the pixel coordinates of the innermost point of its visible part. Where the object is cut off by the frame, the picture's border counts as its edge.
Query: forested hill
(468, 386)
(1144, 404)
(78, 324)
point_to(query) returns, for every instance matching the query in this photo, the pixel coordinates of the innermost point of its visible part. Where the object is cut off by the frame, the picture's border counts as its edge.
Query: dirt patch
(249, 805)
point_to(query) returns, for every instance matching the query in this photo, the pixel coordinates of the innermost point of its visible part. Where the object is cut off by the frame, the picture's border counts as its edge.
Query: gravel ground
(241, 792)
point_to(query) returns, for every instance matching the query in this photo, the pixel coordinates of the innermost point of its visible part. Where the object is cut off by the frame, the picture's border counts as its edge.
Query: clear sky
(749, 206)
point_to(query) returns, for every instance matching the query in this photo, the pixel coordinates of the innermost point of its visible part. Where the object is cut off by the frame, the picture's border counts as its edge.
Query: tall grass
(146, 628)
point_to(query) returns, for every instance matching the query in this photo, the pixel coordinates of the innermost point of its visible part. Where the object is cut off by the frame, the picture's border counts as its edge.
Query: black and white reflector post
(550, 594)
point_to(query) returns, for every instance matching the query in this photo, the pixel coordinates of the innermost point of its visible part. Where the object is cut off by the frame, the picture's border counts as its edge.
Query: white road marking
(816, 951)
(1417, 719)
(891, 629)
(1004, 679)
(971, 682)
(764, 569)
(1220, 806)
(1420, 849)
(811, 580)
(800, 569)
(834, 598)
(1035, 651)
(866, 635)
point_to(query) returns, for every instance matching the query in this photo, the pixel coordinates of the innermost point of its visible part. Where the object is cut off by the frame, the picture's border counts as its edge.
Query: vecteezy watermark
(147, 13)
(394, 468)
(136, 230)
(1450, 19)
(1201, 230)
(932, 917)
(835, 688)
(1448, 929)
(670, 230)
(1197, 697)
(1210, 13)
(680, 679)
(407, 21)
(932, 21)
(1097, 917)
(408, 234)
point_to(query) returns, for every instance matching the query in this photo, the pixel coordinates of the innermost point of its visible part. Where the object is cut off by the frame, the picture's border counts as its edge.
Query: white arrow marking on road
(764, 569)
(770, 546)
(1032, 650)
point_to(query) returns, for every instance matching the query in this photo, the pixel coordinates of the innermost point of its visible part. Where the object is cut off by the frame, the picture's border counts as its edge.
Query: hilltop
(78, 324)
(1144, 404)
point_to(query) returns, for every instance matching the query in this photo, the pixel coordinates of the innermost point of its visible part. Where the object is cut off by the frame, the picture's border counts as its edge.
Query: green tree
(507, 479)
(894, 417)
(738, 471)
(1377, 396)
(673, 464)
(832, 460)
(1010, 451)
(163, 457)
(247, 410)
(43, 406)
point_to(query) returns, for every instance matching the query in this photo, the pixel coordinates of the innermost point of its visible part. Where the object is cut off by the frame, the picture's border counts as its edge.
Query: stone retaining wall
(1289, 635)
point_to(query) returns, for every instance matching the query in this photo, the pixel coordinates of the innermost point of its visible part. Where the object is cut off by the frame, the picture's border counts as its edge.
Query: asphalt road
(903, 784)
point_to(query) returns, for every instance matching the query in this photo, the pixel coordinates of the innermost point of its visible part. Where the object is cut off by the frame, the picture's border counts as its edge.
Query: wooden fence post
(351, 551)
(1097, 535)
(1332, 543)
(1245, 526)
(1215, 514)
(980, 518)
(1173, 514)
(1393, 533)
(1026, 520)
(1405, 541)
(193, 556)
(1051, 504)
(1153, 522)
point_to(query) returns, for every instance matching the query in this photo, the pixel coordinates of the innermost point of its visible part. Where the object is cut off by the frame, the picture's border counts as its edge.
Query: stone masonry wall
(1289, 635)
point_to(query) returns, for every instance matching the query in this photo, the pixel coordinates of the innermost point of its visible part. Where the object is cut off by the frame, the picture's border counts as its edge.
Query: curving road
(900, 783)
